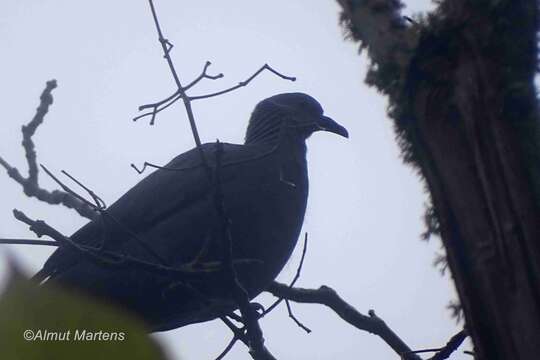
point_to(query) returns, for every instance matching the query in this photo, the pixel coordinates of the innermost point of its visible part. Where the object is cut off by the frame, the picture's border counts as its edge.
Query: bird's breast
(266, 215)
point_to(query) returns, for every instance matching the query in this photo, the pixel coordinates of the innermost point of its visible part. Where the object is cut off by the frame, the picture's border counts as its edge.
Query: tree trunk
(466, 114)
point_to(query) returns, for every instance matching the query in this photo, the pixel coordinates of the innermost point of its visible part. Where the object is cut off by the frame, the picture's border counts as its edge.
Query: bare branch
(165, 103)
(327, 296)
(30, 184)
(244, 83)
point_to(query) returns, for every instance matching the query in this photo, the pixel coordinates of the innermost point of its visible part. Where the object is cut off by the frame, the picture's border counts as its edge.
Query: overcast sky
(365, 206)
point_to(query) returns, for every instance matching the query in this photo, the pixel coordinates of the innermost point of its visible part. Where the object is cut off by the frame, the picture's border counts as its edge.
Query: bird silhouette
(170, 218)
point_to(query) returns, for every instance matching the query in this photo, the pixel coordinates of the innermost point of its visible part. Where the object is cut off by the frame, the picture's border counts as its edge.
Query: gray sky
(365, 206)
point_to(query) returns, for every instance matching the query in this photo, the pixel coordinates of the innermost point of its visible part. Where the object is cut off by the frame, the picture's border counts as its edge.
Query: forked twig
(203, 75)
(30, 183)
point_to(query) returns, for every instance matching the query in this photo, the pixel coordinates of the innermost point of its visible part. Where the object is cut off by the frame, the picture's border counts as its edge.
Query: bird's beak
(327, 124)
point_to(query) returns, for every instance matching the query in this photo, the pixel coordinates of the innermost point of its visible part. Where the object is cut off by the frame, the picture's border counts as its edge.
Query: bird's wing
(181, 192)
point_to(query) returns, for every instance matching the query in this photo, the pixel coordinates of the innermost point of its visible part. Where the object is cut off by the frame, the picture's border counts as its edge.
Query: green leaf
(66, 325)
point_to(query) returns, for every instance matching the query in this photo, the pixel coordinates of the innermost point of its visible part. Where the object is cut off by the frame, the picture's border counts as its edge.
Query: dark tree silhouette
(463, 101)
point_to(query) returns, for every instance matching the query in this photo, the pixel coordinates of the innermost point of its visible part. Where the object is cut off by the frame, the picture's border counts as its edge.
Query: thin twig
(240, 333)
(447, 350)
(451, 346)
(295, 319)
(147, 164)
(167, 46)
(28, 242)
(235, 317)
(68, 190)
(228, 348)
(100, 204)
(422, 351)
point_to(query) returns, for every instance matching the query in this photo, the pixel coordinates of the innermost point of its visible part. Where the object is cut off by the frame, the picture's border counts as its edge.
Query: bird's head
(289, 111)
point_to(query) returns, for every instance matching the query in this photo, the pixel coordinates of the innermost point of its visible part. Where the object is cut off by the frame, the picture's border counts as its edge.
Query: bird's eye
(309, 105)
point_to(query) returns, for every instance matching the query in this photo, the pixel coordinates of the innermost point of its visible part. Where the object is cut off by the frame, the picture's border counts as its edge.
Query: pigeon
(170, 218)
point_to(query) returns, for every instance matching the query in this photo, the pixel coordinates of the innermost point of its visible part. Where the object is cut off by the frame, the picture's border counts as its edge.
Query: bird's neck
(291, 142)
(292, 157)
(266, 129)
(270, 130)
